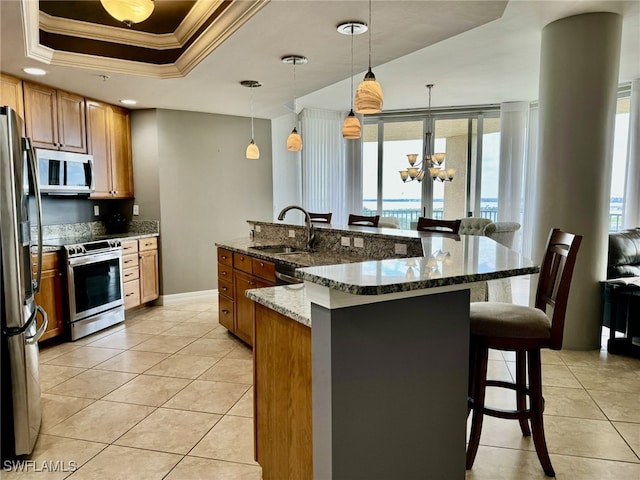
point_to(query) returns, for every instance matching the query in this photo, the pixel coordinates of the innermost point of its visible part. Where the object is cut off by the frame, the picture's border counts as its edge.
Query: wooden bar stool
(320, 217)
(434, 225)
(525, 331)
(364, 221)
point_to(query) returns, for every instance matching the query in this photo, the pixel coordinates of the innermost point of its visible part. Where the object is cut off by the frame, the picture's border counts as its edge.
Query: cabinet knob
(261, 264)
(223, 272)
(226, 312)
(224, 257)
(251, 282)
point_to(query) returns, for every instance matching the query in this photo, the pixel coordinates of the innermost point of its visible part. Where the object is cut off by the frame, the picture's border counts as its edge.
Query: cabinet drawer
(225, 312)
(129, 274)
(150, 243)
(225, 288)
(264, 269)
(131, 294)
(225, 273)
(129, 246)
(242, 262)
(225, 257)
(129, 261)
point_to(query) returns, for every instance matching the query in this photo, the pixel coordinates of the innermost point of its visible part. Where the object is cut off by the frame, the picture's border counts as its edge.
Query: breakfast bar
(383, 348)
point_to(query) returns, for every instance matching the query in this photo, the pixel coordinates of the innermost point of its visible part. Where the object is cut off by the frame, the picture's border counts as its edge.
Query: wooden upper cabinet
(11, 93)
(109, 141)
(55, 119)
(121, 161)
(99, 143)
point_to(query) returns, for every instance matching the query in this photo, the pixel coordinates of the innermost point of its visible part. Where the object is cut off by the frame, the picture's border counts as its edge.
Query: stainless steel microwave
(65, 173)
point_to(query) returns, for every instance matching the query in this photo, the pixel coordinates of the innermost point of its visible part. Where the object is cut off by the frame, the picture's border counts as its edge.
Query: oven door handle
(95, 257)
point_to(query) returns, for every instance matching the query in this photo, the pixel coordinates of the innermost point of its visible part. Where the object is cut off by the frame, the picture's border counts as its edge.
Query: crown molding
(214, 35)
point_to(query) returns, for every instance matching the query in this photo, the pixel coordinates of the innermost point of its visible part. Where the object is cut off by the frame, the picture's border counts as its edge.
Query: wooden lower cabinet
(282, 396)
(140, 271)
(51, 295)
(237, 273)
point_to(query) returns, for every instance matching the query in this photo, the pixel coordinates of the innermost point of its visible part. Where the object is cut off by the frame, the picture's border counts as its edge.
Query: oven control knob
(115, 243)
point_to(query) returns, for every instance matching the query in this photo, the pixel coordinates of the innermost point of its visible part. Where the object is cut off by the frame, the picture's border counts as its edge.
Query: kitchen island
(363, 374)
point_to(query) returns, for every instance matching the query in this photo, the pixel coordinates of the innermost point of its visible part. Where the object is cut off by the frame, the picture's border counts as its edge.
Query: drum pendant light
(294, 140)
(369, 94)
(253, 152)
(351, 128)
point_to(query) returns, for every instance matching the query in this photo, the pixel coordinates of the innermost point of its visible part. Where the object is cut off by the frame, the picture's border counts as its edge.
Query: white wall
(192, 168)
(287, 167)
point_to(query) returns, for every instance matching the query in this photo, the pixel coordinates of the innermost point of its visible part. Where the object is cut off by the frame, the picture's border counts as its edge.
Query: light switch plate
(96, 210)
(401, 248)
(292, 234)
(345, 241)
(136, 209)
(258, 228)
(358, 242)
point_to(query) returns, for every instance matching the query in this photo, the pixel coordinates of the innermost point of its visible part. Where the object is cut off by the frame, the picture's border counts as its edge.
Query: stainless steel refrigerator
(20, 388)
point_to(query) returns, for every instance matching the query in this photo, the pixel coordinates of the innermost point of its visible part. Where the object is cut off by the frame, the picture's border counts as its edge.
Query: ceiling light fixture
(253, 153)
(351, 128)
(128, 101)
(34, 71)
(431, 165)
(294, 140)
(129, 11)
(369, 94)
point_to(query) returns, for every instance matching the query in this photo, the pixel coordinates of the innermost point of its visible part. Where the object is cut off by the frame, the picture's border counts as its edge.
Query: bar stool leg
(521, 396)
(480, 379)
(537, 408)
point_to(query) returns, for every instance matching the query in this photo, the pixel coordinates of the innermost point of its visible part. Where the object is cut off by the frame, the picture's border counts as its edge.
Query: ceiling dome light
(128, 101)
(129, 11)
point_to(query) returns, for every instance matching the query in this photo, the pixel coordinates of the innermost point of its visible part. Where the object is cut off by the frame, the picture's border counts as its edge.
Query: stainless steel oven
(95, 288)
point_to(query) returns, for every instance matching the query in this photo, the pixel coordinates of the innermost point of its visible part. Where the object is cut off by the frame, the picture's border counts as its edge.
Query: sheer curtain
(331, 165)
(631, 211)
(513, 152)
(529, 213)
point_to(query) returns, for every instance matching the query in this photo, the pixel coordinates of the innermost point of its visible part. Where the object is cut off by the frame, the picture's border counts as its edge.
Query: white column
(578, 85)
(631, 212)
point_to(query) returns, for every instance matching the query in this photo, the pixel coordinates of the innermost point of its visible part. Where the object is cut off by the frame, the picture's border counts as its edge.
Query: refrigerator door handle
(26, 143)
(43, 328)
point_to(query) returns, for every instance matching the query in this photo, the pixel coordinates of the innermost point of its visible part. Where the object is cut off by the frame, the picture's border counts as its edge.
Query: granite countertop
(289, 300)
(55, 244)
(295, 260)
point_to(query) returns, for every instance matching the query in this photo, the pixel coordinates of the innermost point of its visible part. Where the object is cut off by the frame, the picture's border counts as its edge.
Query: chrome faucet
(311, 236)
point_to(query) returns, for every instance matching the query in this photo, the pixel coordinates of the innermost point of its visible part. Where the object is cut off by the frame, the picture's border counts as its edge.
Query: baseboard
(201, 296)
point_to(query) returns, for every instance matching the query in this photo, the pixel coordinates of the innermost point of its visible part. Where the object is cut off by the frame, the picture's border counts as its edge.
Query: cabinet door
(121, 162)
(245, 308)
(149, 276)
(100, 147)
(72, 133)
(11, 93)
(41, 115)
(51, 295)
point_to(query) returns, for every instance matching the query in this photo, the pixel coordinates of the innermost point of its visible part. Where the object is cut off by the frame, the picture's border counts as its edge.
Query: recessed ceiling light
(34, 71)
(128, 101)
(354, 26)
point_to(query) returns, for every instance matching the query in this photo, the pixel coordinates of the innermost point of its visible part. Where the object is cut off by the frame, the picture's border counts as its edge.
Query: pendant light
(294, 140)
(351, 128)
(129, 11)
(253, 153)
(369, 94)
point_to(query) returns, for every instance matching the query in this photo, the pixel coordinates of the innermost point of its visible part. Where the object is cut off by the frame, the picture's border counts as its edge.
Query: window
(618, 173)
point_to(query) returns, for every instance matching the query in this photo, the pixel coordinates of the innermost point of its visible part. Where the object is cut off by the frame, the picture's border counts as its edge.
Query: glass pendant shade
(369, 96)
(253, 153)
(129, 11)
(294, 141)
(351, 129)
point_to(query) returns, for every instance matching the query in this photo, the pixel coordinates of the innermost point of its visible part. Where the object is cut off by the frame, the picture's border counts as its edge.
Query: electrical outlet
(401, 248)
(136, 209)
(258, 228)
(96, 210)
(358, 242)
(292, 234)
(345, 241)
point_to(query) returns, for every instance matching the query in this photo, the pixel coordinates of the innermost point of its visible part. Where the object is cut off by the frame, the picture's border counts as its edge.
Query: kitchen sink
(278, 249)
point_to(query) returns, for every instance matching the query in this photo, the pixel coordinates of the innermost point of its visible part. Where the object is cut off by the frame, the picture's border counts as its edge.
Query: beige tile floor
(168, 395)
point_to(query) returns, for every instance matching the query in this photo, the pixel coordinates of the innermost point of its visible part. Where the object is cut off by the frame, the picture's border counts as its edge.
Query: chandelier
(432, 164)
